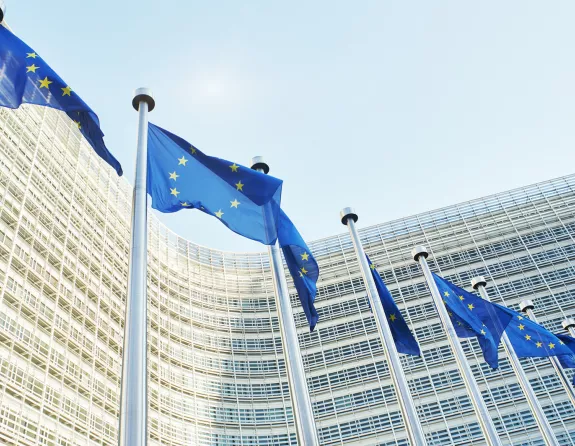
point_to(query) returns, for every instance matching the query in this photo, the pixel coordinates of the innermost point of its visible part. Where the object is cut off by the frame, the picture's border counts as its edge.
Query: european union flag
(26, 78)
(180, 176)
(568, 361)
(302, 267)
(474, 317)
(404, 340)
(530, 339)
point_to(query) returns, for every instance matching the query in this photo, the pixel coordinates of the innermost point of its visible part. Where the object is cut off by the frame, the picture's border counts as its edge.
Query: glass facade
(217, 373)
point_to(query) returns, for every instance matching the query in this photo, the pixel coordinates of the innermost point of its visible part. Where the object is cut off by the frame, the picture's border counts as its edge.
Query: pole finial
(478, 281)
(258, 163)
(525, 305)
(143, 94)
(419, 251)
(347, 213)
(567, 323)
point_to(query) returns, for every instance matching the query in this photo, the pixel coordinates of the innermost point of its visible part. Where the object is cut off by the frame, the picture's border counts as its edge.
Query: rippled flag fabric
(529, 339)
(404, 339)
(474, 317)
(568, 361)
(25, 78)
(180, 176)
(302, 267)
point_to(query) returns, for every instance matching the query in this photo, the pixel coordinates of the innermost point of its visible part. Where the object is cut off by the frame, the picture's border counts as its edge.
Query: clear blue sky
(393, 107)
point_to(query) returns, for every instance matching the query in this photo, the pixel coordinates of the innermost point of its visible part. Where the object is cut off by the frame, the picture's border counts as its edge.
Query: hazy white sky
(392, 107)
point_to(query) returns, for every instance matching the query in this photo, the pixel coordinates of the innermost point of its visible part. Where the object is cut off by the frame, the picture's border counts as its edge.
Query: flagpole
(527, 307)
(569, 325)
(480, 284)
(299, 392)
(134, 387)
(406, 404)
(420, 254)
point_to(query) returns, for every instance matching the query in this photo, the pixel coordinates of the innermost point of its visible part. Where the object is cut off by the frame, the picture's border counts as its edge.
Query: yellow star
(303, 270)
(450, 313)
(561, 342)
(392, 317)
(240, 186)
(521, 327)
(174, 192)
(372, 266)
(446, 294)
(193, 149)
(182, 161)
(520, 318)
(538, 344)
(234, 167)
(461, 298)
(45, 83)
(551, 345)
(305, 256)
(528, 337)
(234, 203)
(32, 55)
(32, 68)
(174, 176)
(78, 124)
(66, 91)
(483, 332)
(471, 307)
(459, 323)
(219, 214)
(185, 204)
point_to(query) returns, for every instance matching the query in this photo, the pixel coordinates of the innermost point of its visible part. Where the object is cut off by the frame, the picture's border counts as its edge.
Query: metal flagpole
(569, 325)
(406, 404)
(527, 307)
(479, 284)
(299, 392)
(420, 254)
(134, 393)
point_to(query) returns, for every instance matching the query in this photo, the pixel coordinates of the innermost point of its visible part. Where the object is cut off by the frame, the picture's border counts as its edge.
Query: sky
(392, 107)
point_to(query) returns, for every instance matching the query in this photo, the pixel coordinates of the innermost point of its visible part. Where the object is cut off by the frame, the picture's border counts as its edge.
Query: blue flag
(568, 361)
(180, 176)
(302, 267)
(404, 340)
(474, 317)
(26, 78)
(530, 339)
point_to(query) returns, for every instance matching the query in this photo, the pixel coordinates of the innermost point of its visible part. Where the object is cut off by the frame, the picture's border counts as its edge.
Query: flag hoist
(527, 307)
(134, 386)
(420, 254)
(479, 284)
(406, 404)
(302, 409)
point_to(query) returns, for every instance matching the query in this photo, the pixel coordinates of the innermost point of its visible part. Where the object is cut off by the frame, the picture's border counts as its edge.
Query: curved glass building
(216, 368)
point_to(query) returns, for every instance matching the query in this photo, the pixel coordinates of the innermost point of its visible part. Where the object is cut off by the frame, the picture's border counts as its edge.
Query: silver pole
(569, 325)
(299, 392)
(527, 307)
(479, 283)
(420, 254)
(134, 387)
(406, 404)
